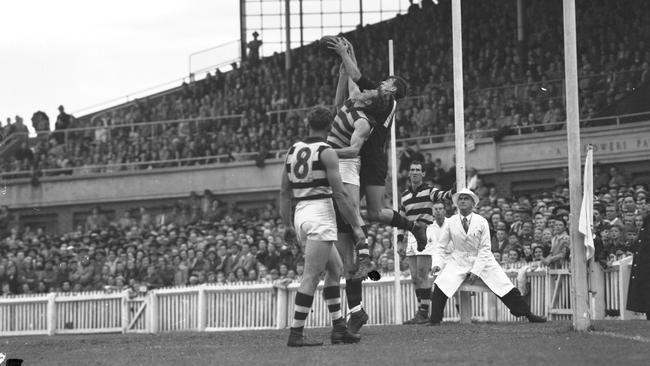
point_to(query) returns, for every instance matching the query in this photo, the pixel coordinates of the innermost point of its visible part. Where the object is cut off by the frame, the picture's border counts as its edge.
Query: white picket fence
(269, 306)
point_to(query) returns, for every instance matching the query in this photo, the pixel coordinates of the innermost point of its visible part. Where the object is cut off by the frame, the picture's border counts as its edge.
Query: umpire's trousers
(513, 300)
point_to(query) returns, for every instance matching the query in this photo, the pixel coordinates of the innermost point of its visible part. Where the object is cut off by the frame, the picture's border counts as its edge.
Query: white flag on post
(586, 222)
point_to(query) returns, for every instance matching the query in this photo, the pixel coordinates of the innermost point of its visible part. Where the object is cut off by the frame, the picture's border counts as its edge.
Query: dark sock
(401, 222)
(365, 230)
(332, 296)
(353, 292)
(303, 304)
(418, 295)
(426, 299)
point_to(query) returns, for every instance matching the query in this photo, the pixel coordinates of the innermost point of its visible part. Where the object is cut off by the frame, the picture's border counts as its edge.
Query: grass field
(612, 343)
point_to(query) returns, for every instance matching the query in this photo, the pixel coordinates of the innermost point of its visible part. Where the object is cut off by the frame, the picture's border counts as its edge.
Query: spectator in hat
(85, 270)
(49, 274)
(27, 275)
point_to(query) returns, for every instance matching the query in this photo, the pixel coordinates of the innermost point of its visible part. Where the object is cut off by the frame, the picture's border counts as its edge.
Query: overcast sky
(80, 53)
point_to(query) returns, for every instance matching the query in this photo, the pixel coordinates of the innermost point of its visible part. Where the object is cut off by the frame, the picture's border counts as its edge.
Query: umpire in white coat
(468, 236)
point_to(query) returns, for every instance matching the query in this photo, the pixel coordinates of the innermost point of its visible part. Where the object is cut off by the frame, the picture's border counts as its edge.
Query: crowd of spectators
(202, 240)
(507, 91)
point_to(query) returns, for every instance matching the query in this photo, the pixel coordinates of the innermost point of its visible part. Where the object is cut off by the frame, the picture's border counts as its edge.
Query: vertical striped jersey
(417, 203)
(307, 174)
(343, 125)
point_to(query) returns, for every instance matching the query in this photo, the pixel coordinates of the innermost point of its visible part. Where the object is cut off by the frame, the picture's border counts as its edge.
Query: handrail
(151, 123)
(519, 129)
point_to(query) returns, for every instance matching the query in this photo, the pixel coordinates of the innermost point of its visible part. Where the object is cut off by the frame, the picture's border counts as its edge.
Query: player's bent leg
(317, 254)
(374, 198)
(332, 296)
(374, 205)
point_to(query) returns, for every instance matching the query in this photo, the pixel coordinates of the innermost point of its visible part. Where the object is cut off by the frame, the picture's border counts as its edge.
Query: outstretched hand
(338, 45)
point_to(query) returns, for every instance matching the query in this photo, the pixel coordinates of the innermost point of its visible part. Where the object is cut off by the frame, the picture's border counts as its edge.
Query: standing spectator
(146, 221)
(126, 221)
(254, 49)
(273, 258)
(41, 122)
(96, 220)
(616, 179)
(638, 296)
(247, 261)
(559, 245)
(62, 123)
(601, 178)
(19, 127)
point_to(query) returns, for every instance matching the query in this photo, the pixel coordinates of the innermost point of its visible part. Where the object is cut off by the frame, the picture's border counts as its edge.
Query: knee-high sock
(418, 295)
(353, 293)
(438, 302)
(516, 303)
(425, 293)
(332, 296)
(302, 307)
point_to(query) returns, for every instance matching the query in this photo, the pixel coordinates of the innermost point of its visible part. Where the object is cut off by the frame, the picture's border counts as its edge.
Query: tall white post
(125, 311)
(282, 304)
(580, 295)
(51, 313)
(393, 174)
(459, 106)
(202, 309)
(153, 311)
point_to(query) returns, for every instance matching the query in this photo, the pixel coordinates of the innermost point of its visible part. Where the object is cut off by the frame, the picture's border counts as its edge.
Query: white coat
(470, 253)
(442, 250)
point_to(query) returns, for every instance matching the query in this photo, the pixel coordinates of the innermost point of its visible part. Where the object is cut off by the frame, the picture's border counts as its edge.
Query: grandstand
(179, 187)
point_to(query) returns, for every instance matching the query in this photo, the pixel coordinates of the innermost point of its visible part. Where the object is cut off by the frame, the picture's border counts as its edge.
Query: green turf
(614, 343)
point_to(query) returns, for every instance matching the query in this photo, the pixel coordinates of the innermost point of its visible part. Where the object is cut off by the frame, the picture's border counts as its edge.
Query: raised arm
(331, 163)
(361, 132)
(340, 46)
(438, 195)
(341, 88)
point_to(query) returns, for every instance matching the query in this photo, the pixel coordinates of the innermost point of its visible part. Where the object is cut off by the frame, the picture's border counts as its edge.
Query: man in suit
(468, 237)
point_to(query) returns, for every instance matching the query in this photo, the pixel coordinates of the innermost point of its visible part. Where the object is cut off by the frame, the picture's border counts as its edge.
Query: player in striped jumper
(374, 160)
(351, 128)
(311, 179)
(422, 203)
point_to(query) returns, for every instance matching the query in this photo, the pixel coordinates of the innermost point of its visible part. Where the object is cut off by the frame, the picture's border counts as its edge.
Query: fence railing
(212, 307)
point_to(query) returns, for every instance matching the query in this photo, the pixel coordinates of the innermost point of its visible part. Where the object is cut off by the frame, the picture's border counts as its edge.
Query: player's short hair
(320, 118)
(417, 162)
(401, 86)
